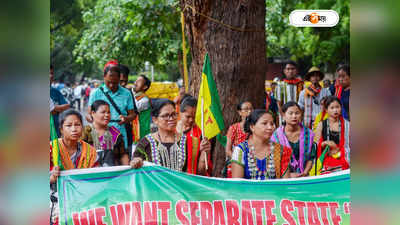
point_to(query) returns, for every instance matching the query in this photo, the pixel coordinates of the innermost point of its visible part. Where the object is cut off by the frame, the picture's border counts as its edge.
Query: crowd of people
(301, 131)
(76, 95)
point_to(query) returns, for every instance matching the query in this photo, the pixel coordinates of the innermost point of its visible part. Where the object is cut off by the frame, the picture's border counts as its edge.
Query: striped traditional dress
(288, 90)
(305, 151)
(273, 166)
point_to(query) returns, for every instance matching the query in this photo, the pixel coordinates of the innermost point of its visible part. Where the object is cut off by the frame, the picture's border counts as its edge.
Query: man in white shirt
(78, 96)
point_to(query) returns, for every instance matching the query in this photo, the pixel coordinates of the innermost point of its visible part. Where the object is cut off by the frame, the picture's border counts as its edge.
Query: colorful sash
(338, 91)
(87, 158)
(306, 140)
(312, 91)
(294, 81)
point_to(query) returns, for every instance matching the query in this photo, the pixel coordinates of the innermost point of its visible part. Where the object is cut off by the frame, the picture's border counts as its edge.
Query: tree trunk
(238, 58)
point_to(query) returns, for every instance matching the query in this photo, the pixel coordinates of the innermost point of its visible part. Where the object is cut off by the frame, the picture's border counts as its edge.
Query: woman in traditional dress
(332, 137)
(68, 152)
(258, 157)
(292, 134)
(236, 134)
(107, 140)
(167, 147)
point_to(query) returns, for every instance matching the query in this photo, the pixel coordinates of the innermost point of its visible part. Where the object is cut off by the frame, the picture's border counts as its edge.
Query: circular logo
(314, 18)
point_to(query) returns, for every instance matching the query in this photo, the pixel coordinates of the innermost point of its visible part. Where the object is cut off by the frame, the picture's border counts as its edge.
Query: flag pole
(202, 126)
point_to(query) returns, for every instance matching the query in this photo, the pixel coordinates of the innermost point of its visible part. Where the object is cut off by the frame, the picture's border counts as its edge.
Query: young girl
(69, 152)
(332, 137)
(236, 134)
(292, 134)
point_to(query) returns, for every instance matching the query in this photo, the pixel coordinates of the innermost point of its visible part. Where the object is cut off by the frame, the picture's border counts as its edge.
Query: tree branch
(66, 21)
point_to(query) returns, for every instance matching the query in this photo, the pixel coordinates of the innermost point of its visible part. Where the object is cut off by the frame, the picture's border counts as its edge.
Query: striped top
(272, 166)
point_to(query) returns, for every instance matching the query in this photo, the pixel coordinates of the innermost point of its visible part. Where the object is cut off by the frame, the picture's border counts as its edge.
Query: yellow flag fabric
(208, 104)
(318, 119)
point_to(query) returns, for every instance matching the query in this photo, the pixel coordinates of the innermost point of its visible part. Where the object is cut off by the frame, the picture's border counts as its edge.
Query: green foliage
(316, 46)
(66, 27)
(131, 31)
(85, 34)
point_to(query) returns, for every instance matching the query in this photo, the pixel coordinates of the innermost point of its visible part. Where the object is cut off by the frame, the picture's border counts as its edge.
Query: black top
(333, 135)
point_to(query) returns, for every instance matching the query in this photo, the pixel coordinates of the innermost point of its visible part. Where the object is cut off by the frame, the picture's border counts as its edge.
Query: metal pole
(152, 73)
(202, 126)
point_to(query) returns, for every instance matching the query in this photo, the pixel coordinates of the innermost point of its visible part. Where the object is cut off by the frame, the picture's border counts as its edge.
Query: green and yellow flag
(317, 167)
(208, 104)
(56, 147)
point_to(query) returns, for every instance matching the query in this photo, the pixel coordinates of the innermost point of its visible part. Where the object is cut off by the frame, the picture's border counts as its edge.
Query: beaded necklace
(174, 158)
(255, 171)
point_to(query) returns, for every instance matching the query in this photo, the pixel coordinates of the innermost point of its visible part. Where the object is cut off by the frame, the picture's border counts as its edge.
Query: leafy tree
(66, 27)
(87, 33)
(325, 47)
(132, 32)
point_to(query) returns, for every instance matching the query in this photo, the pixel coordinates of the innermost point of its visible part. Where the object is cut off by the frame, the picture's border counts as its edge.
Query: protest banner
(156, 195)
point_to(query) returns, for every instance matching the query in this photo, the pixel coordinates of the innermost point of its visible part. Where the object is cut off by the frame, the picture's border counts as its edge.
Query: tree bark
(238, 58)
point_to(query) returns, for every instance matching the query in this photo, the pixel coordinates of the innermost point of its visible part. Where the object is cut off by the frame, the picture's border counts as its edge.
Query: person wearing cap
(119, 95)
(310, 98)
